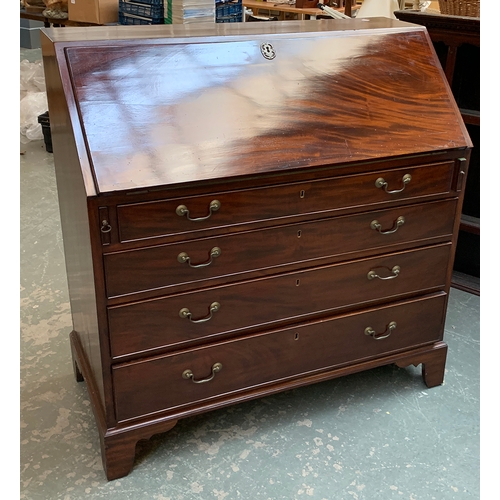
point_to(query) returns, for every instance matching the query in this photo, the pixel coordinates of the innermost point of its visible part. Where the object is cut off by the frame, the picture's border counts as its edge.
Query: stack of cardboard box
(93, 11)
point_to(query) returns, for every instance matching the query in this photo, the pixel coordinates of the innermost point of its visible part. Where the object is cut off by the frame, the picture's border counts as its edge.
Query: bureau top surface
(167, 106)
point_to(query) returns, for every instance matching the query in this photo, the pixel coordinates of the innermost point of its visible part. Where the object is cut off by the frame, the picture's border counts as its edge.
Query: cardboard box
(93, 11)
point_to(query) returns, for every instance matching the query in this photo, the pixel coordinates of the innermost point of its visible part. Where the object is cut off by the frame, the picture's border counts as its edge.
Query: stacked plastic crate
(141, 12)
(189, 11)
(228, 11)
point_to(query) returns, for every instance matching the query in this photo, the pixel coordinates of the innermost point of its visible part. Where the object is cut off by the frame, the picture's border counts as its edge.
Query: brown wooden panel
(183, 112)
(158, 267)
(74, 186)
(270, 357)
(159, 218)
(263, 302)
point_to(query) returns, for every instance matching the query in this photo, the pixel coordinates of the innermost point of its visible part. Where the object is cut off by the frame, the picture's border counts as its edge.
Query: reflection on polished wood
(315, 110)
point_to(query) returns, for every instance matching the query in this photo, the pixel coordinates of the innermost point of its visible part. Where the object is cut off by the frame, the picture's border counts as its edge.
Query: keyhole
(296, 336)
(299, 234)
(297, 283)
(302, 193)
(268, 51)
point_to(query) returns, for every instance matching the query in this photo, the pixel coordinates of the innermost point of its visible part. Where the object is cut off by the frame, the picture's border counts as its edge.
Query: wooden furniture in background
(347, 5)
(281, 220)
(285, 10)
(457, 43)
(282, 9)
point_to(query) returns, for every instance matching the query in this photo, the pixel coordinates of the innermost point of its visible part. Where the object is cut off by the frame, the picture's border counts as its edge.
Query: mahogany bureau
(249, 208)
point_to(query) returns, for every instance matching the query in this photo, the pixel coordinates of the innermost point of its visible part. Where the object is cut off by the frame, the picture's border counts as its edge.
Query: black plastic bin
(44, 121)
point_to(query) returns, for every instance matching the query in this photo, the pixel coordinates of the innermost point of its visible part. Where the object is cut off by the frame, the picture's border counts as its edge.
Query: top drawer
(222, 209)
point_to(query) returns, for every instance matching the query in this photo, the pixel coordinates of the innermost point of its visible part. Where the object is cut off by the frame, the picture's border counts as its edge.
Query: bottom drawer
(165, 382)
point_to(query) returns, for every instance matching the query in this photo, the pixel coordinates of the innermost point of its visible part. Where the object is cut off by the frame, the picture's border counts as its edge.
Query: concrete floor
(375, 435)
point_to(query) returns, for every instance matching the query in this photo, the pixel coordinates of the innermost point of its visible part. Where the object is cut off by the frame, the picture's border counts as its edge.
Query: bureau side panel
(74, 187)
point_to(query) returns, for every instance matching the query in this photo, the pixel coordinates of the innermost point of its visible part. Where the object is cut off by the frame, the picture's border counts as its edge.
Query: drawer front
(158, 384)
(202, 259)
(222, 209)
(189, 317)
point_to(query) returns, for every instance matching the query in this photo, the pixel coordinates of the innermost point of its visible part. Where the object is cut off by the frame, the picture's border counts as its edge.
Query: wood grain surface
(175, 113)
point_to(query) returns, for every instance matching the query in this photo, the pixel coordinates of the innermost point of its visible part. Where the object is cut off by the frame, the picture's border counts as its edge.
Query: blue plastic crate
(150, 2)
(236, 18)
(140, 9)
(229, 12)
(128, 19)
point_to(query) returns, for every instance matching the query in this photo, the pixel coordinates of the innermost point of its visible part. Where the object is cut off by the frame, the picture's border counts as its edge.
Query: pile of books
(189, 11)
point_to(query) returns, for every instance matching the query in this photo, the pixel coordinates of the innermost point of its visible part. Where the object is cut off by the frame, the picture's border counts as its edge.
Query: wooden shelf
(470, 116)
(465, 282)
(457, 43)
(469, 224)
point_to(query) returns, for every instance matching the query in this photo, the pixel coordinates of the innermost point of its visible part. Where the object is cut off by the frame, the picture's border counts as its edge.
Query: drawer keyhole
(296, 336)
(302, 193)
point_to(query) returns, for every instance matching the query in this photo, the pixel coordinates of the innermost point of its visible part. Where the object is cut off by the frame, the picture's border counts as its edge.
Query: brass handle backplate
(395, 270)
(183, 258)
(186, 313)
(375, 225)
(381, 183)
(182, 211)
(188, 374)
(379, 336)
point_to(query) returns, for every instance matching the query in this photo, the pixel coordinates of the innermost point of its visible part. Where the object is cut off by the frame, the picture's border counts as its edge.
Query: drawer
(138, 221)
(202, 259)
(189, 317)
(270, 357)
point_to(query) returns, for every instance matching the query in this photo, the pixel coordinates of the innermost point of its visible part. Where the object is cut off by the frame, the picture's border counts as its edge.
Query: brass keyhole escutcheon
(268, 51)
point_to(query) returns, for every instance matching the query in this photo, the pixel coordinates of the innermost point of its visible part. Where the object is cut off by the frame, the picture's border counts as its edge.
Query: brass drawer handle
(105, 226)
(375, 224)
(182, 210)
(188, 374)
(381, 183)
(379, 336)
(395, 270)
(183, 257)
(186, 313)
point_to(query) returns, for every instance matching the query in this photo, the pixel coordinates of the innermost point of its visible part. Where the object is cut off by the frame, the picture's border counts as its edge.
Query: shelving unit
(456, 40)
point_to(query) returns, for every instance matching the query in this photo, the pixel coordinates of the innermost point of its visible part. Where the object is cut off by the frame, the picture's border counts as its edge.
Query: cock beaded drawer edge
(249, 208)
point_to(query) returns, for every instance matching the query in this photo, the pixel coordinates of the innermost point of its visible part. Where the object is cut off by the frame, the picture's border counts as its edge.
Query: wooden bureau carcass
(249, 208)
